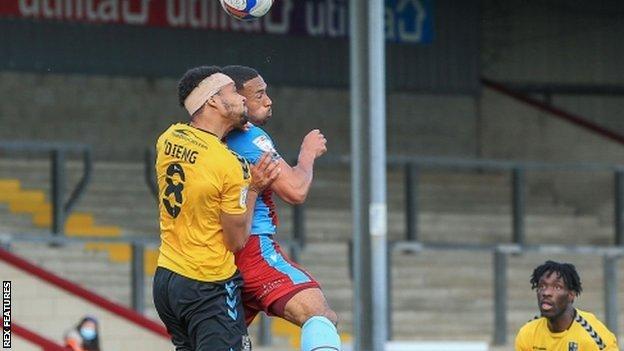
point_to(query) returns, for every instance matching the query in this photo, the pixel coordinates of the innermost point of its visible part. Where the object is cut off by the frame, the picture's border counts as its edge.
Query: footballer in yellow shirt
(561, 326)
(206, 201)
(198, 177)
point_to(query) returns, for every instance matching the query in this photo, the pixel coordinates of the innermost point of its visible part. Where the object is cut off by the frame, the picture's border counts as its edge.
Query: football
(246, 10)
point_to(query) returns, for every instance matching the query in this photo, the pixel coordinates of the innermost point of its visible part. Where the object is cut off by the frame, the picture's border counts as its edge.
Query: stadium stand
(443, 300)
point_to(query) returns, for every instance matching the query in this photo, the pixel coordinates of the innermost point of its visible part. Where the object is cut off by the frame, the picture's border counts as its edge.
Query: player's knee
(319, 312)
(320, 334)
(332, 316)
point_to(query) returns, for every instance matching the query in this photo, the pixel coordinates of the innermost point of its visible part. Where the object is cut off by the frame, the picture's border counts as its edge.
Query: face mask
(88, 333)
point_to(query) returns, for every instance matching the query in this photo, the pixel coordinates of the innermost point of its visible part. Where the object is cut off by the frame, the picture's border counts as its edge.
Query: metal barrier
(57, 154)
(413, 165)
(518, 172)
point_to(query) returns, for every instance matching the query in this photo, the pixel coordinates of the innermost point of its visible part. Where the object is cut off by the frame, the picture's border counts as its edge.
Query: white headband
(204, 90)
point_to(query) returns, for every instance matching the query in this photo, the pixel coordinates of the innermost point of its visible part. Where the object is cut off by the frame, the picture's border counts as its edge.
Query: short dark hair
(566, 271)
(192, 78)
(240, 74)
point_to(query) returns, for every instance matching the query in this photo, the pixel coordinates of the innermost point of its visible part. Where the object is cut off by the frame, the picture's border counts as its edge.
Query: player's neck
(563, 322)
(211, 126)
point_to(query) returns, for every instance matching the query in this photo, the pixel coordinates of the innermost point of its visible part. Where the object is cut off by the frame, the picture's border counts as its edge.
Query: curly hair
(566, 271)
(240, 74)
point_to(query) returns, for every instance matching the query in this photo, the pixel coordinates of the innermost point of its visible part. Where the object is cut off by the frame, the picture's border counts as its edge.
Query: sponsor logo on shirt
(243, 197)
(265, 144)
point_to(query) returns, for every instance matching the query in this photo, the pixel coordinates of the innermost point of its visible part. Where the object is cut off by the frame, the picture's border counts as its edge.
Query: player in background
(272, 282)
(206, 205)
(561, 326)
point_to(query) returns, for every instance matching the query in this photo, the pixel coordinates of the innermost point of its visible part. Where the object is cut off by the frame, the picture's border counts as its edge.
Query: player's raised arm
(236, 227)
(294, 183)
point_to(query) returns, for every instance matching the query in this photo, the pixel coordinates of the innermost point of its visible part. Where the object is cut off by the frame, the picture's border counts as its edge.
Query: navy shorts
(201, 316)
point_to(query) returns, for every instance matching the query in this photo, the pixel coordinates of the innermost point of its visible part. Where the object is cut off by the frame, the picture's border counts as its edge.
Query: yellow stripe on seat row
(35, 196)
(77, 224)
(76, 220)
(9, 185)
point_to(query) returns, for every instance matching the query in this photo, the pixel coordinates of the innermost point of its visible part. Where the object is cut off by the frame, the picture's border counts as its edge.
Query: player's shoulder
(203, 141)
(256, 131)
(590, 317)
(166, 132)
(251, 142)
(246, 135)
(533, 324)
(527, 333)
(177, 129)
(182, 133)
(589, 320)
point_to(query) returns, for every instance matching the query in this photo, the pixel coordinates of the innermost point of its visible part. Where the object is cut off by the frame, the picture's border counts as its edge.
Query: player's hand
(314, 143)
(264, 173)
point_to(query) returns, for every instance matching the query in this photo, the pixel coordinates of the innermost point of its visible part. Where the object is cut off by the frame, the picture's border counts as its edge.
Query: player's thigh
(220, 333)
(251, 309)
(175, 327)
(306, 304)
(215, 318)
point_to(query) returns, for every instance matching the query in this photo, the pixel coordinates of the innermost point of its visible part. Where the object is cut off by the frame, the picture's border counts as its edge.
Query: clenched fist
(314, 144)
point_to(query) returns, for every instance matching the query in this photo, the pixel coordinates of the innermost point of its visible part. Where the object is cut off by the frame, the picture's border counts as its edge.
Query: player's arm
(519, 346)
(609, 339)
(293, 184)
(521, 342)
(236, 227)
(613, 346)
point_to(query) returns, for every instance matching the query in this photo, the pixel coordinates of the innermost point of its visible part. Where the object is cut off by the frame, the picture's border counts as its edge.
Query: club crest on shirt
(572, 346)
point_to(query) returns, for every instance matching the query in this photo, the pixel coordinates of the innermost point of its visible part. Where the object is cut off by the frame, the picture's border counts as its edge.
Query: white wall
(20, 344)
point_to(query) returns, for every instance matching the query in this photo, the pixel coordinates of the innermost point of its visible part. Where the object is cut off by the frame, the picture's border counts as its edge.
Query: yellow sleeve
(234, 193)
(608, 338)
(520, 344)
(611, 343)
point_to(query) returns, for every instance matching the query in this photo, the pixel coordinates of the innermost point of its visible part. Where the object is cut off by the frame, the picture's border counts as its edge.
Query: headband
(204, 90)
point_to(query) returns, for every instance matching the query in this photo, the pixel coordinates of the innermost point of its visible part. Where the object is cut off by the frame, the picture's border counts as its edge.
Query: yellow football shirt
(198, 177)
(586, 333)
